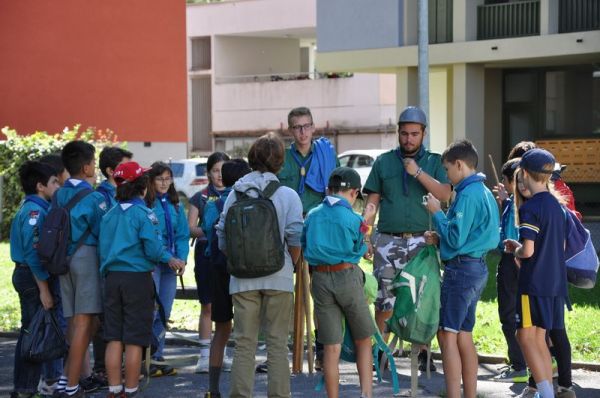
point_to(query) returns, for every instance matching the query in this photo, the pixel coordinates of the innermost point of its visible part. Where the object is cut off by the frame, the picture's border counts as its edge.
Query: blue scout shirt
(508, 229)
(542, 220)
(130, 239)
(109, 191)
(210, 217)
(176, 241)
(86, 214)
(471, 227)
(332, 233)
(25, 234)
(401, 208)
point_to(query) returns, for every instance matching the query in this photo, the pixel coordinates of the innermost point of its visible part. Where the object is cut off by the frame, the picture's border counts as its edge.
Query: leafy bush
(19, 148)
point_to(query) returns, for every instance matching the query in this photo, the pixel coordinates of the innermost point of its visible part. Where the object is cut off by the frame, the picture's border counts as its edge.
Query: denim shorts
(464, 280)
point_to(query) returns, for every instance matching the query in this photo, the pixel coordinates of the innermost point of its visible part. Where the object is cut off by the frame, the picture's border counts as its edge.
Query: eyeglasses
(164, 180)
(300, 127)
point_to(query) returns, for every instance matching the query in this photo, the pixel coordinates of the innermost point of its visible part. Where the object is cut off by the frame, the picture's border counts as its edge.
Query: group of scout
(142, 225)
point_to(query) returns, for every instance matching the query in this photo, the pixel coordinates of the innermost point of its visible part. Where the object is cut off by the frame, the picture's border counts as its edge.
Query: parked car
(361, 160)
(189, 176)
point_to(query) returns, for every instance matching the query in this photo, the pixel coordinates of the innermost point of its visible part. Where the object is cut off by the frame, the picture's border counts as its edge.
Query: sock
(545, 389)
(115, 389)
(214, 373)
(131, 390)
(72, 390)
(62, 384)
(204, 348)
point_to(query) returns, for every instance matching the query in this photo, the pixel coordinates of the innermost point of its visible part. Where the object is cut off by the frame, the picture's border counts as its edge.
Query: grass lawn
(582, 323)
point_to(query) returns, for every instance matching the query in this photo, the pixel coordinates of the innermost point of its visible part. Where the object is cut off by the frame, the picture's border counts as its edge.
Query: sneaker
(79, 394)
(529, 392)
(565, 392)
(161, 370)
(202, 365)
(554, 368)
(46, 387)
(89, 384)
(423, 362)
(117, 395)
(262, 367)
(212, 395)
(509, 375)
(227, 363)
(101, 378)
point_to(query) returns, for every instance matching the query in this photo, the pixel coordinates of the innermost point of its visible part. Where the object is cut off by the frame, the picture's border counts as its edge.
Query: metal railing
(515, 19)
(578, 15)
(440, 21)
(277, 77)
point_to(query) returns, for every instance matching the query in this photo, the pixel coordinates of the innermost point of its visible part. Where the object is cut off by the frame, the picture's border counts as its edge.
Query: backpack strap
(69, 206)
(271, 188)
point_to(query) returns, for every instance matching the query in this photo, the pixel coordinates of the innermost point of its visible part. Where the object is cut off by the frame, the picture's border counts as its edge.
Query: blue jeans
(462, 285)
(165, 281)
(26, 374)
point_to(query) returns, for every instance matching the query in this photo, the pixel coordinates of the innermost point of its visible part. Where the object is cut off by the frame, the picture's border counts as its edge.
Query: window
(364, 161)
(200, 169)
(345, 161)
(177, 169)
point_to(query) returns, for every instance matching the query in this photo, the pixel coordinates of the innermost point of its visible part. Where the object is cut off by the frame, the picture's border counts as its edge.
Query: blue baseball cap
(535, 159)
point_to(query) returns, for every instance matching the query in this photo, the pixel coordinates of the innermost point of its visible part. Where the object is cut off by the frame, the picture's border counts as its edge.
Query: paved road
(188, 384)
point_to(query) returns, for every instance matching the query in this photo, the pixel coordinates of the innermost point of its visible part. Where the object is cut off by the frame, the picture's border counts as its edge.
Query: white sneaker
(528, 392)
(227, 362)
(202, 365)
(46, 389)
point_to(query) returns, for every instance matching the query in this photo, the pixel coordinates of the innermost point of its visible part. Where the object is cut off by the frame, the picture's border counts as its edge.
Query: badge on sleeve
(33, 217)
(102, 206)
(153, 218)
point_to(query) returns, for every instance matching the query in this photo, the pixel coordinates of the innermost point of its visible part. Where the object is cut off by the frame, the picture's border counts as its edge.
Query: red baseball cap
(128, 172)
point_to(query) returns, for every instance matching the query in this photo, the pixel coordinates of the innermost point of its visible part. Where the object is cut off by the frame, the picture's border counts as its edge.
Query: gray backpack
(254, 246)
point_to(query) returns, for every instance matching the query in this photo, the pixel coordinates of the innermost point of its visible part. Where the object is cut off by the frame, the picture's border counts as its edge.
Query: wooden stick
(308, 314)
(298, 346)
(494, 169)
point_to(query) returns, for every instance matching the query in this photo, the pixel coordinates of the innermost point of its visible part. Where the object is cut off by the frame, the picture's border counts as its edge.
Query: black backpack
(55, 235)
(254, 246)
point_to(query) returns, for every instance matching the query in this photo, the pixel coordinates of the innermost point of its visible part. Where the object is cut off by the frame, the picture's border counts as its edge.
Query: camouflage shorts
(391, 254)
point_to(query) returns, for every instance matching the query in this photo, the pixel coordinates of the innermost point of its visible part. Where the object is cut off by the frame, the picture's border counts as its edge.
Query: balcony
(514, 19)
(440, 21)
(578, 15)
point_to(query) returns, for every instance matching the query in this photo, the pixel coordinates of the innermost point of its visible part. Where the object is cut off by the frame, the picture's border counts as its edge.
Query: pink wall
(105, 63)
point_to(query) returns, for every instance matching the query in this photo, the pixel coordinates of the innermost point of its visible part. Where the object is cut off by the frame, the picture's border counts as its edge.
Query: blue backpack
(580, 255)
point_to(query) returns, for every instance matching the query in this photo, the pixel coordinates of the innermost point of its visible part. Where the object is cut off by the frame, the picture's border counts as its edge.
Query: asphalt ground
(188, 384)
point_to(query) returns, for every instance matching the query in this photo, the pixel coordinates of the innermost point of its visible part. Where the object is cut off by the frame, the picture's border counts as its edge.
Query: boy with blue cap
(542, 288)
(469, 229)
(333, 243)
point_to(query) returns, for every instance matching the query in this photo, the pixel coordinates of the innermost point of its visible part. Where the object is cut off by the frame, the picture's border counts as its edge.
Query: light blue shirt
(130, 239)
(331, 233)
(472, 226)
(181, 229)
(25, 235)
(109, 191)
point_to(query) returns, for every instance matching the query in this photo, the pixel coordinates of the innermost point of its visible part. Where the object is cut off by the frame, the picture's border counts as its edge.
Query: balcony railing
(578, 15)
(515, 19)
(440, 21)
(277, 77)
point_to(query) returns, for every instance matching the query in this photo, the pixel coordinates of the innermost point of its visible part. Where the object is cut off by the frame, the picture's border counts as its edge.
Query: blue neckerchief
(82, 183)
(302, 165)
(334, 200)
(211, 191)
(44, 204)
(164, 201)
(405, 175)
(477, 177)
(134, 201)
(105, 192)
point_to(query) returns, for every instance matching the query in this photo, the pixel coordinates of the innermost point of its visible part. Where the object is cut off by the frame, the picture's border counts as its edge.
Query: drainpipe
(424, 62)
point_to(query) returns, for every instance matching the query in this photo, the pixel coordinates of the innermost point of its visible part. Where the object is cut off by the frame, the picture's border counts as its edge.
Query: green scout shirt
(290, 177)
(399, 212)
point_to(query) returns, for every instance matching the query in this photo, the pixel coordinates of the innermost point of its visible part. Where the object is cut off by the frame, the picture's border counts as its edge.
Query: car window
(177, 169)
(364, 161)
(201, 169)
(346, 161)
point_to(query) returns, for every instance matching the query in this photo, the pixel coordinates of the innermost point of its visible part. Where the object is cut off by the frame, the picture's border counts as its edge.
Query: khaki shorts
(339, 295)
(391, 254)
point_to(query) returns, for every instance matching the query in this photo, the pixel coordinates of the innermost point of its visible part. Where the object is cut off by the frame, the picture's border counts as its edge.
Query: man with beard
(396, 185)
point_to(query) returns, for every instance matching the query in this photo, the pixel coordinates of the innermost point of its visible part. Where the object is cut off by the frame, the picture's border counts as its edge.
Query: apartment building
(251, 61)
(500, 72)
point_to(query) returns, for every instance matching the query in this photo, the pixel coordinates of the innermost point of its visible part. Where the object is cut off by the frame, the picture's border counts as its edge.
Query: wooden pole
(298, 346)
(308, 314)
(494, 169)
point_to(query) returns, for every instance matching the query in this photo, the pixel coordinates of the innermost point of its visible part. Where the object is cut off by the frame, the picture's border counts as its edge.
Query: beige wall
(235, 56)
(164, 151)
(367, 141)
(438, 110)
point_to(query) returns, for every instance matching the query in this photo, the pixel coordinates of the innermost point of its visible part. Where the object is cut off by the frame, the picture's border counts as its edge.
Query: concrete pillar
(468, 103)
(407, 89)
(548, 17)
(493, 121)
(464, 20)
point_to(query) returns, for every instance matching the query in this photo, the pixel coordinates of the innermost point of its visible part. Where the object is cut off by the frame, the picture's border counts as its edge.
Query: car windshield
(177, 169)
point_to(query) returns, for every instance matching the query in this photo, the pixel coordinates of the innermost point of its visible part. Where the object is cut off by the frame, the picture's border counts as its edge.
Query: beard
(410, 153)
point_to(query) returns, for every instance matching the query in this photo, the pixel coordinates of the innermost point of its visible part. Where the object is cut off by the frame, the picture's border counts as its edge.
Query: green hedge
(20, 148)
